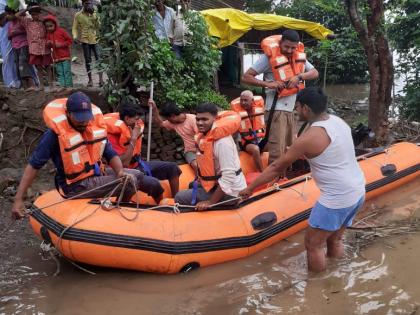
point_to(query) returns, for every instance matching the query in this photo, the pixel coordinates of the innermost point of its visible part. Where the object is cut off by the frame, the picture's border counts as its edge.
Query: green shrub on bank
(133, 55)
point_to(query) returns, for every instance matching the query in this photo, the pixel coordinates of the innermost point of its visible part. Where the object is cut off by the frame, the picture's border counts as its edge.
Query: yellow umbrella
(230, 24)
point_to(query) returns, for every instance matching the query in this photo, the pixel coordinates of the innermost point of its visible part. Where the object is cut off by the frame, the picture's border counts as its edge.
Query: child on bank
(59, 41)
(39, 55)
(17, 36)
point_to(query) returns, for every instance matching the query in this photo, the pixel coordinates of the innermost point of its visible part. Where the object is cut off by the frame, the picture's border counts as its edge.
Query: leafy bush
(132, 51)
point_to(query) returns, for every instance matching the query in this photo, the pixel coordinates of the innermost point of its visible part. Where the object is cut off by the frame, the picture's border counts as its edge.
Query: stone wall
(21, 126)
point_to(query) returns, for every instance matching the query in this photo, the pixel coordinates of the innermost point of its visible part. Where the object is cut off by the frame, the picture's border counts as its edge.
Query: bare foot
(90, 84)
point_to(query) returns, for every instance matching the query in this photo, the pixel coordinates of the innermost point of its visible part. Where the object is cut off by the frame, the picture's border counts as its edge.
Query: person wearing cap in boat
(220, 177)
(328, 147)
(252, 129)
(76, 142)
(125, 133)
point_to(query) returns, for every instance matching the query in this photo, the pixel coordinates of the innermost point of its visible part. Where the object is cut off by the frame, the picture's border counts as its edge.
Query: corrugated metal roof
(216, 4)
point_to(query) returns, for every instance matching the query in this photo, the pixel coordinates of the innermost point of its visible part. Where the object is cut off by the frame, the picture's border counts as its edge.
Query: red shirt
(61, 39)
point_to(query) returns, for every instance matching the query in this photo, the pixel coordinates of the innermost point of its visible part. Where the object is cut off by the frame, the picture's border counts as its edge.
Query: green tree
(369, 24)
(259, 6)
(404, 34)
(133, 56)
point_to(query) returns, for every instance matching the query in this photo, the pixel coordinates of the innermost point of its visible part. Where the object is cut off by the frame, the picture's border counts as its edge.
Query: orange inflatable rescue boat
(163, 240)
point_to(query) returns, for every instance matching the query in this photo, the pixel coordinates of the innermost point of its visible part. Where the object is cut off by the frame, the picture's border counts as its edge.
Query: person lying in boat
(328, 147)
(76, 142)
(252, 128)
(220, 177)
(184, 124)
(125, 133)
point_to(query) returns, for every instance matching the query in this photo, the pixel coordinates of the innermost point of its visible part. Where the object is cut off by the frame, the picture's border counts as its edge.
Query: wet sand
(381, 278)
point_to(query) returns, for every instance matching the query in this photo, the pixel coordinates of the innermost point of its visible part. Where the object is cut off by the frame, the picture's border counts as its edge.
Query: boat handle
(264, 220)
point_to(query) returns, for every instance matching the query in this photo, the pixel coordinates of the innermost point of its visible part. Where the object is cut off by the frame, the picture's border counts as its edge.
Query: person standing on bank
(163, 21)
(285, 69)
(328, 147)
(85, 31)
(180, 29)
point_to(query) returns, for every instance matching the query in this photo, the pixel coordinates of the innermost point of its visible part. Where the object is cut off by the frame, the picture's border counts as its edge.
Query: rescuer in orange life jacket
(76, 142)
(219, 171)
(285, 69)
(125, 133)
(252, 128)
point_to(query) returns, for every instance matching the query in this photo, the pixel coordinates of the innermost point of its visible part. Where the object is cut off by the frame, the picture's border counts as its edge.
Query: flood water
(381, 278)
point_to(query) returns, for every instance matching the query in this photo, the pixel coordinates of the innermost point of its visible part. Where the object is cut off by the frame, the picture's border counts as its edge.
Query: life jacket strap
(215, 177)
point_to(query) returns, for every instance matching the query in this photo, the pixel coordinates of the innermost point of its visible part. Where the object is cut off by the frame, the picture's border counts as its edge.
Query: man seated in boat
(125, 133)
(183, 123)
(76, 142)
(220, 177)
(328, 147)
(252, 128)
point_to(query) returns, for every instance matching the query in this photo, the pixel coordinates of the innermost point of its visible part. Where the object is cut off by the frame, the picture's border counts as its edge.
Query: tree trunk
(379, 59)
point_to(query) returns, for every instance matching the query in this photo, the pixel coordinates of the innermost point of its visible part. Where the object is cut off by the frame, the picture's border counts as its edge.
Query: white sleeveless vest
(336, 171)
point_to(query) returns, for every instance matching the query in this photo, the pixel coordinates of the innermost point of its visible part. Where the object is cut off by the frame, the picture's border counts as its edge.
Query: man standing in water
(329, 149)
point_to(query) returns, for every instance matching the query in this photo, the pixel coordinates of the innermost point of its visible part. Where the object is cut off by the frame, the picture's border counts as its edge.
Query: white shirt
(226, 163)
(336, 170)
(163, 26)
(285, 103)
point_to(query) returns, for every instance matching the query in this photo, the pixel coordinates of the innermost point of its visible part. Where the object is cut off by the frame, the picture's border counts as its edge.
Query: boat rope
(54, 252)
(77, 196)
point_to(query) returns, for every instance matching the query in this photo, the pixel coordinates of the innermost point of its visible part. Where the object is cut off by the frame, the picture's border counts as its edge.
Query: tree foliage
(259, 6)
(345, 58)
(404, 33)
(133, 56)
(370, 27)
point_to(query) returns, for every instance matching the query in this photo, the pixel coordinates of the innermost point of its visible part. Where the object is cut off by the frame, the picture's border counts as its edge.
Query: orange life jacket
(227, 123)
(81, 153)
(251, 128)
(118, 127)
(283, 69)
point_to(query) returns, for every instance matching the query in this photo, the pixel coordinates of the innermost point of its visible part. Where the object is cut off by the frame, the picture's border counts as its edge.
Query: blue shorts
(333, 219)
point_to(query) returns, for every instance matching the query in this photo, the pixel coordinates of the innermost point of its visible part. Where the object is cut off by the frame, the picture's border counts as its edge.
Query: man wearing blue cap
(76, 142)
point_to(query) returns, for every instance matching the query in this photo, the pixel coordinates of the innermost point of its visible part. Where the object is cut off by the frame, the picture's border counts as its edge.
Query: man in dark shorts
(125, 132)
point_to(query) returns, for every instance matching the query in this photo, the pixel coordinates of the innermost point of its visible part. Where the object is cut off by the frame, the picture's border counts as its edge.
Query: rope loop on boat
(302, 192)
(175, 208)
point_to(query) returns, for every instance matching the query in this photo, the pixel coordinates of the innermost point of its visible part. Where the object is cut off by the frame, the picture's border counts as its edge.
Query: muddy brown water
(381, 278)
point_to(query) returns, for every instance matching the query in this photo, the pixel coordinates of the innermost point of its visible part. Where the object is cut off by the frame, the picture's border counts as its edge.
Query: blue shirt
(49, 148)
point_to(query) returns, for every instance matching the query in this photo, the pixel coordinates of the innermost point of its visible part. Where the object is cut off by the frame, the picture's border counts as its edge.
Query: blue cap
(80, 106)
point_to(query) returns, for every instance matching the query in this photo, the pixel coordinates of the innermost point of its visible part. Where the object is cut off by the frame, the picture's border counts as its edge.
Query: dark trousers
(87, 53)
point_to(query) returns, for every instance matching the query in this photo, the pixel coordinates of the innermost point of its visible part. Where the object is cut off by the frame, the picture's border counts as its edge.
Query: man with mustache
(76, 142)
